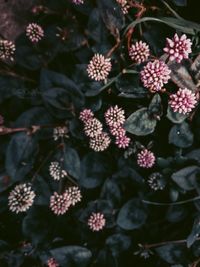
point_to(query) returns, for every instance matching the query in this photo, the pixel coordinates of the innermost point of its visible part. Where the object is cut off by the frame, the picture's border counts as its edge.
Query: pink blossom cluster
(178, 48)
(78, 2)
(99, 68)
(146, 158)
(52, 263)
(183, 101)
(96, 221)
(155, 75)
(115, 118)
(34, 32)
(139, 52)
(60, 203)
(124, 6)
(93, 128)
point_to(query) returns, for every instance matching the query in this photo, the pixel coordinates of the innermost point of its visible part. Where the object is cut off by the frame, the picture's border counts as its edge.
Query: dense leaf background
(47, 86)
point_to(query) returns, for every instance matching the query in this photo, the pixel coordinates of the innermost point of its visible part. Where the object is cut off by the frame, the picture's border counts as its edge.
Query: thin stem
(171, 203)
(171, 10)
(155, 245)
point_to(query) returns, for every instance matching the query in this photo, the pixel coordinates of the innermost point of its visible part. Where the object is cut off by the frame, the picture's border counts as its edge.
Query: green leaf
(175, 117)
(140, 123)
(20, 155)
(194, 235)
(36, 226)
(132, 215)
(195, 68)
(94, 169)
(155, 107)
(72, 162)
(72, 256)
(182, 25)
(186, 177)
(172, 253)
(181, 136)
(181, 76)
(118, 243)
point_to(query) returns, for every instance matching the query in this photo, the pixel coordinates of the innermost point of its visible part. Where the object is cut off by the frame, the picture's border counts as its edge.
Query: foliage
(42, 92)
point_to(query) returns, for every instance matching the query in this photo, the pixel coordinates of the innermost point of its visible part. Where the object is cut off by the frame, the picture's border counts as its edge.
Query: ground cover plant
(100, 135)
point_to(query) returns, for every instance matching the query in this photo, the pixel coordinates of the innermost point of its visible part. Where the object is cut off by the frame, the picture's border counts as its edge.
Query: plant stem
(171, 203)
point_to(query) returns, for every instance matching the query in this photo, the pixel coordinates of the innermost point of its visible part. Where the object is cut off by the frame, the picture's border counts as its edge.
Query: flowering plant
(99, 128)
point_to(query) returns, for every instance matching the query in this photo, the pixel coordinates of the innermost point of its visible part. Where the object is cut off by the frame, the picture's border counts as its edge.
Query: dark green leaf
(181, 135)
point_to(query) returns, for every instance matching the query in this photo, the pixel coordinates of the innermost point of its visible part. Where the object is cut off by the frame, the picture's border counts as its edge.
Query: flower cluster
(52, 263)
(7, 49)
(78, 2)
(115, 118)
(178, 48)
(60, 203)
(155, 75)
(34, 32)
(146, 159)
(21, 198)
(56, 172)
(183, 101)
(96, 221)
(124, 6)
(93, 128)
(139, 52)
(99, 68)
(156, 181)
(60, 132)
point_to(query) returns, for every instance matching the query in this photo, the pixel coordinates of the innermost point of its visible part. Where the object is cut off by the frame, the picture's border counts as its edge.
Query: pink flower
(52, 263)
(21, 198)
(7, 49)
(34, 32)
(145, 159)
(154, 75)
(93, 127)
(114, 116)
(100, 142)
(122, 141)
(78, 2)
(75, 194)
(124, 6)
(183, 101)
(86, 115)
(60, 203)
(96, 222)
(99, 67)
(139, 52)
(117, 131)
(178, 48)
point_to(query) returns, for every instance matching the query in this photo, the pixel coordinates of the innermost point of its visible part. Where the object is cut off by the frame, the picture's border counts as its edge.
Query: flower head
(154, 75)
(156, 181)
(78, 2)
(75, 194)
(34, 32)
(96, 221)
(7, 49)
(100, 142)
(60, 203)
(99, 67)
(117, 131)
(114, 116)
(122, 141)
(124, 6)
(52, 263)
(86, 115)
(183, 101)
(178, 48)
(60, 132)
(56, 172)
(146, 159)
(93, 127)
(21, 198)
(139, 52)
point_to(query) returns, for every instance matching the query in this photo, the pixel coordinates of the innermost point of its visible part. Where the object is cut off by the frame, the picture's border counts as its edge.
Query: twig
(171, 203)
